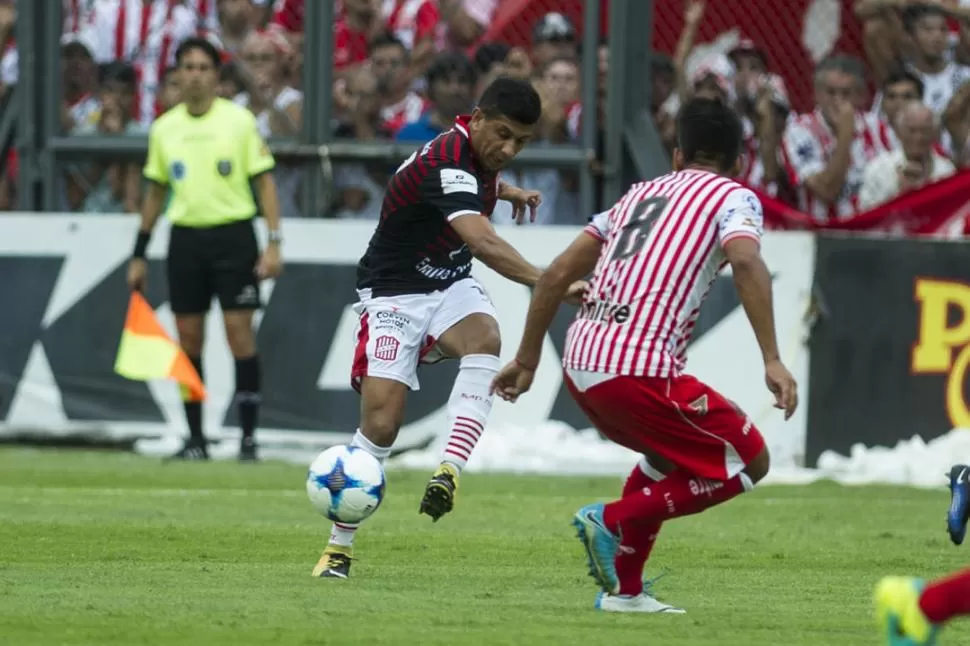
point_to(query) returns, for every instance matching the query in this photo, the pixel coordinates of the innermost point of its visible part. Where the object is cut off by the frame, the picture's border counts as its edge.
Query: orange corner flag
(146, 352)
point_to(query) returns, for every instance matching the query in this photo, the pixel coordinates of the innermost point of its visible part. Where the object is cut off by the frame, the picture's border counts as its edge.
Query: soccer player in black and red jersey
(418, 301)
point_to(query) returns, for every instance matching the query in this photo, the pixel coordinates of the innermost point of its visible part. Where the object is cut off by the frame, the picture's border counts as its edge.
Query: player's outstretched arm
(486, 245)
(753, 282)
(577, 261)
(151, 209)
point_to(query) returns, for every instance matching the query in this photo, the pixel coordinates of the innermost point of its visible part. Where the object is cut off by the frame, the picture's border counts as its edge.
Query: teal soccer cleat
(601, 546)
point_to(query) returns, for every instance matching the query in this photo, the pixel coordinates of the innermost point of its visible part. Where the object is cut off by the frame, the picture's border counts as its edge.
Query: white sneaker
(639, 603)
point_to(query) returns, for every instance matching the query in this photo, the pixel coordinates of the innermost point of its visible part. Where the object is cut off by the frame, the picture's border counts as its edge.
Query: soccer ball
(345, 484)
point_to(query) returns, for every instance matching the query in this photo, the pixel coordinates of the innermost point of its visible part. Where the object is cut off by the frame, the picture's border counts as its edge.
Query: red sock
(947, 598)
(679, 494)
(638, 537)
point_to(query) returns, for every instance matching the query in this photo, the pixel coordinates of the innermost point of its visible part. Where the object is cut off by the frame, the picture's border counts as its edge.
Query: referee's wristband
(141, 244)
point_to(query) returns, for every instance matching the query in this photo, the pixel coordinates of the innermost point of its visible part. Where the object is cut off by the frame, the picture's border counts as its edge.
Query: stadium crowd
(404, 68)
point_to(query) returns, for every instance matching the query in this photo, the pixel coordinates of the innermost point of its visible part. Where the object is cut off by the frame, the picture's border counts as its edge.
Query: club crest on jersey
(458, 181)
(177, 170)
(386, 347)
(224, 167)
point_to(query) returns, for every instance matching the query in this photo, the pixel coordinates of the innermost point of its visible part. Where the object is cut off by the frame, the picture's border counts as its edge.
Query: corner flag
(146, 352)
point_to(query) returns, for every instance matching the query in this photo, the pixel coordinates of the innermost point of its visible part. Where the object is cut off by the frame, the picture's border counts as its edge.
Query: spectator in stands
(661, 80)
(553, 37)
(489, 63)
(451, 80)
(827, 150)
(231, 82)
(79, 77)
(399, 103)
(750, 67)
(910, 167)
(463, 22)
(359, 186)
(957, 122)
(170, 95)
(415, 24)
(146, 34)
(278, 107)
(899, 87)
(236, 22)
(99, 187)
(763, 167)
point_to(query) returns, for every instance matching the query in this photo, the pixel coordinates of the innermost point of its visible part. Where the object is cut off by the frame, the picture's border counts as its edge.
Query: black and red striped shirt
(414, 249)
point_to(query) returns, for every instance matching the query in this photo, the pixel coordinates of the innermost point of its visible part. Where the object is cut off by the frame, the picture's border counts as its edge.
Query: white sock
(343, 533)
(469, 406)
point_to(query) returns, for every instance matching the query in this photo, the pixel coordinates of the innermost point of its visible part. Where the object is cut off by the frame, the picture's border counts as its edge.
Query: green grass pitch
(114, 549)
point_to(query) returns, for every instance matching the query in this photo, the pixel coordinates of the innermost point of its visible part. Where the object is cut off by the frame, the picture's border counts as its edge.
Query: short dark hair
(488, 54)
(512, 98)
(709, 132)
(386, 39)
(902, 75)
(914, 13)
(449, 64)
(119, 72)
(200, 44)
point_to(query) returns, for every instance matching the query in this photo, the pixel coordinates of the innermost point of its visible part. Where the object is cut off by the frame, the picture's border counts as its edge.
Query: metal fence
(43, 148)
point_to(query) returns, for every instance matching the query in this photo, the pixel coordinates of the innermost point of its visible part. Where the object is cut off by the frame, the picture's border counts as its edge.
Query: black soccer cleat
(247, 450)
(334, 563)
(191, 451)
(439, 495)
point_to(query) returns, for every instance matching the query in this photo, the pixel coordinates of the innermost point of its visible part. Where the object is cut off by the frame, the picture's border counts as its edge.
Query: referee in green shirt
(208, 152)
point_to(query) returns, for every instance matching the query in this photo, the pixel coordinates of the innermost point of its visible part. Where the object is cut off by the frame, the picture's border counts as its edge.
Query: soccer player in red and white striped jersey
(653, 257)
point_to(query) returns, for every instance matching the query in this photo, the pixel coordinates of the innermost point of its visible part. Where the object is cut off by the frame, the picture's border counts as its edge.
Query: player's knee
(191, 335)
(488, 341)
(382, 411)
(758, 468)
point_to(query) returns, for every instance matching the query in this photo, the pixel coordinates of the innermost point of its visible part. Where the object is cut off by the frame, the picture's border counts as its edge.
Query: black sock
(193, 410)
(247, 394)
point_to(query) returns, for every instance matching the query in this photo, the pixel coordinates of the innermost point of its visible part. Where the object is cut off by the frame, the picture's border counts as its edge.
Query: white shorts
(396, 333)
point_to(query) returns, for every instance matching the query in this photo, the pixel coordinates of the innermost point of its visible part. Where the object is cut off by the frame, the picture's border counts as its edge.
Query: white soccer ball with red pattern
(346, 484)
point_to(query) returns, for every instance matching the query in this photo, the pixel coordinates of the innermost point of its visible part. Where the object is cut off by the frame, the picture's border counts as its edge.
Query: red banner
(939, 209)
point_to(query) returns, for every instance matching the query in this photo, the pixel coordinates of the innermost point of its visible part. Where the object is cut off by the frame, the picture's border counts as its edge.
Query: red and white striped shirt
(144, 33)
(662, 249)
(807, 148)
(74, 15)
(411, 20)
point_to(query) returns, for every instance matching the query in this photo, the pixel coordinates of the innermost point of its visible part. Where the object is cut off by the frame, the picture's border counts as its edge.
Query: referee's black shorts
(217, 261)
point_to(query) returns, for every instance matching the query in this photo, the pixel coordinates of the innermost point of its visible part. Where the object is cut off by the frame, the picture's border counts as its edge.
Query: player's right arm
(806, 158)
(156, 172)
(455, 192)
(739, 232)
(489, 247)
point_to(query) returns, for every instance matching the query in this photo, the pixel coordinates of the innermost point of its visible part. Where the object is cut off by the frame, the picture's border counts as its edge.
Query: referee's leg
(190, 293)
(234, 258)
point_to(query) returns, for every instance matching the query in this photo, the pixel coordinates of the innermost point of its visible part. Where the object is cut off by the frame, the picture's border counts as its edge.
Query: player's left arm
(493, 250)
(562, 276)
(568, 269)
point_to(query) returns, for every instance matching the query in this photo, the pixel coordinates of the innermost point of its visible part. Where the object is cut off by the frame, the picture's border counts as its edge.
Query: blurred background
(345, 89)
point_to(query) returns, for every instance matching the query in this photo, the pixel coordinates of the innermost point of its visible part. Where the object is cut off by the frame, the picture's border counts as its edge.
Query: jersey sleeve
(740, 216)
(599, 226)
(454, 191)
(258, 157)
(155, 169)
(803, 152)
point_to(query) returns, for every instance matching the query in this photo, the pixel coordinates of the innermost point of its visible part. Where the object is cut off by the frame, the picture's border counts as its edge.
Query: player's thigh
(592, 393)
(391, 332)
(190, 287)
(706, 433)
(464, 323)
(233, 255)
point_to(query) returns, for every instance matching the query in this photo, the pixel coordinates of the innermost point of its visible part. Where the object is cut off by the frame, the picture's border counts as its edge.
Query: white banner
(64, 301)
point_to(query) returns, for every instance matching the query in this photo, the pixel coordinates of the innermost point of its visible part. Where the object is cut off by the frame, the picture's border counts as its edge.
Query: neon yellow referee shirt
(207, 162)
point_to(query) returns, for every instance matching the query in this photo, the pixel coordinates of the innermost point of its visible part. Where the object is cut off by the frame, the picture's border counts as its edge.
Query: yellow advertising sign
(942, 347)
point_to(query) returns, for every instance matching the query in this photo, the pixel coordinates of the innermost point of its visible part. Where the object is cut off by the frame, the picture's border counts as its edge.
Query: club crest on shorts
(385, 348)
(224, 167)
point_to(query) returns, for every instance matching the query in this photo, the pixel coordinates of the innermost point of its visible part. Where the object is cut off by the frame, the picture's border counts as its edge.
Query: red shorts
(680, 418)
